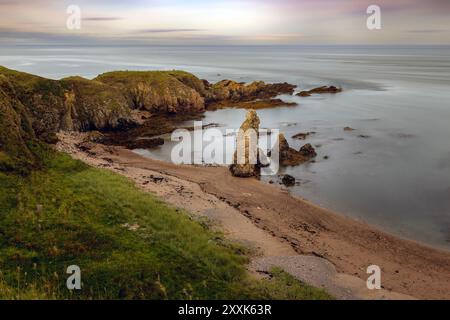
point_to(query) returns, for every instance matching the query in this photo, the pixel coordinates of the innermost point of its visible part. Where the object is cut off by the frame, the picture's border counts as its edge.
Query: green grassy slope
(69, 213)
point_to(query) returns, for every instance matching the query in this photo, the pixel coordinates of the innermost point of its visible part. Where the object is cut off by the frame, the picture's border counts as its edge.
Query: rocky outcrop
(319, 90)
(246, 139)
(229, 92)
(158, 91)
(292, 157)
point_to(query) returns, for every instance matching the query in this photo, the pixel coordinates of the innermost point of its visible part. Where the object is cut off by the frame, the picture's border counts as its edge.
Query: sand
(320, 247)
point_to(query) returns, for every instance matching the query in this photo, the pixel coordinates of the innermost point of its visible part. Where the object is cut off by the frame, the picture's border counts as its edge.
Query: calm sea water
(397, 177)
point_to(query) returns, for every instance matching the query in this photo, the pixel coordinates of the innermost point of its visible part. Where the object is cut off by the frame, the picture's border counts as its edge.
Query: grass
(73, 214)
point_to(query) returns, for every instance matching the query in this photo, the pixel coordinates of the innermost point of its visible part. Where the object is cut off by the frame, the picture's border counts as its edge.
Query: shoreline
(285, 231)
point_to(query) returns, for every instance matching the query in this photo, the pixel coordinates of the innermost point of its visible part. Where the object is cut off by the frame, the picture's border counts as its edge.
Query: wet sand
(316, 245)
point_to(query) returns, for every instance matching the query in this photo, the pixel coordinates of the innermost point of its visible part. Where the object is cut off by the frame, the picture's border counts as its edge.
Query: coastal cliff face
(158, 91)
(34, 109)
(15, 127)
(68, 104)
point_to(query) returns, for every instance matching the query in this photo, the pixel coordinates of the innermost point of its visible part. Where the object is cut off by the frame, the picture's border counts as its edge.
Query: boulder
(288, 180)
(308, 151)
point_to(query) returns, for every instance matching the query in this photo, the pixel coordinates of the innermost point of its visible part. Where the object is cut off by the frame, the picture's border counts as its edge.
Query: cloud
(102, 18)
(168, 30)
(427, 31)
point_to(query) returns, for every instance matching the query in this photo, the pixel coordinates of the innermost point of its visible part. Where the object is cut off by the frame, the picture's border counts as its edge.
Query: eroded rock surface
(249, 132)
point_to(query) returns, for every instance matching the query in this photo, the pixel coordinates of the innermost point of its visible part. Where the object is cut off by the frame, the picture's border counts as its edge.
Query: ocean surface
(393, 171)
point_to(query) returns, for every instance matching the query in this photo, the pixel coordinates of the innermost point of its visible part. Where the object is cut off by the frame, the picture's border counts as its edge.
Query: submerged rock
(302, 135)
(319, 90)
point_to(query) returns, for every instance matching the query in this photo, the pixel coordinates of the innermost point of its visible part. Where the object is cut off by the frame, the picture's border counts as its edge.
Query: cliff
(16, 130)
(158, 91)
(34, 108)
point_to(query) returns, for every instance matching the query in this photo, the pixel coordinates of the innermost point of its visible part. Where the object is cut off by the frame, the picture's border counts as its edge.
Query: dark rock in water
(319, 90)
(292, 157)
(304, 94)
(227, 92)
(283, 145)
(302, 135)
(308, 151)
(363, 136)
(145, 143)
(288, 180)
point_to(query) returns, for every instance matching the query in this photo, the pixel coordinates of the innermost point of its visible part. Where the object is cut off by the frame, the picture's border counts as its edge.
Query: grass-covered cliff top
(128, 244)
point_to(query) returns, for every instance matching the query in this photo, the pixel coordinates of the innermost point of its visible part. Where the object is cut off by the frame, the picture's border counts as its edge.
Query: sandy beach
(316, 245)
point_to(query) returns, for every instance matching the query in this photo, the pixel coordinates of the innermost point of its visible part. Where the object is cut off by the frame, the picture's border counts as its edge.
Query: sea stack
(247, 137)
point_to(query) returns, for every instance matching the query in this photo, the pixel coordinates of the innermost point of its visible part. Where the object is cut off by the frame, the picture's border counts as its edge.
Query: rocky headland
(124, 105)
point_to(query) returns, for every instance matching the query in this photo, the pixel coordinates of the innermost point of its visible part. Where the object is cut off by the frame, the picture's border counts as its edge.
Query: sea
(392, 171)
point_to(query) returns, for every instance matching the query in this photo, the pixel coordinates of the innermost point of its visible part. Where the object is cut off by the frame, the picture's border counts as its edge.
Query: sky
(215, 22)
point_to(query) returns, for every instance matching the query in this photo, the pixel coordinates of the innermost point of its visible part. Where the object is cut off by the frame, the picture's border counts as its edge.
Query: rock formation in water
(288, 180)
(319, 90)
(228, 92)
(292, 157)
(303, 135)
(247, 140)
